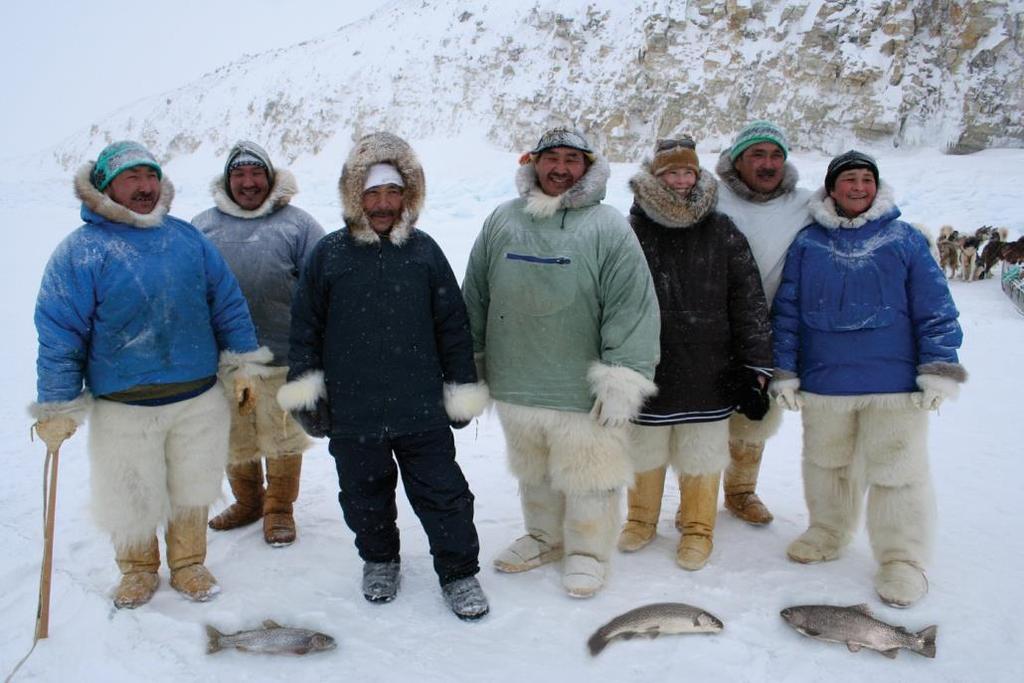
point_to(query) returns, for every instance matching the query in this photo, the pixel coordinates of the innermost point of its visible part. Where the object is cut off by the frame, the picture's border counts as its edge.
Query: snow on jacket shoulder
(124, 304)
(387, 326)
(862, 303)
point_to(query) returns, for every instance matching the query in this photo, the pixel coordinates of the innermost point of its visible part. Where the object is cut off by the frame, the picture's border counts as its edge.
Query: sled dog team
(610, 347)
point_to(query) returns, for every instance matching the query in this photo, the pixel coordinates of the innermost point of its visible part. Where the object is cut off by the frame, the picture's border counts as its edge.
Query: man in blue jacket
(381, 360)
(140, 308)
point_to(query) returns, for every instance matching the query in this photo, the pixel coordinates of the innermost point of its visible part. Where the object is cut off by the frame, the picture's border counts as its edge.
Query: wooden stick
(43, 610)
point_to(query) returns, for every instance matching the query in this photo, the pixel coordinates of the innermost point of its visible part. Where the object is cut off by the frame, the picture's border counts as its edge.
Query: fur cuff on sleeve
(779, 373)
(953, 371)
(465, 401)
(248, 364)
(77, 409)
(779, 385)
(304, 392)
(619, 385)
(946, 387)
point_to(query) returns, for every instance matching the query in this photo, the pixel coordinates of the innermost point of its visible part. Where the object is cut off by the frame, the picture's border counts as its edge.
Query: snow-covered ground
(534, 632)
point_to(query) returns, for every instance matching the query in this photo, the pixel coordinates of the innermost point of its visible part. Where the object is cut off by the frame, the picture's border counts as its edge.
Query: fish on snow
(271, 639)
(651, 621)
(856, 627)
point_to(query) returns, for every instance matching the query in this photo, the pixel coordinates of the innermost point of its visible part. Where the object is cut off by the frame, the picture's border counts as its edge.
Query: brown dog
(948, 250)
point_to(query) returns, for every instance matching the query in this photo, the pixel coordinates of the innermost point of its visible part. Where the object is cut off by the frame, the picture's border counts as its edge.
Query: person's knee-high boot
(591, 520)
(644, 499)
(139, 577)
(699, 507)
(833, 505)
(246, 480)
(186, 553)
(900, 527)
(740, 481)
(282, 489)
(543, 512)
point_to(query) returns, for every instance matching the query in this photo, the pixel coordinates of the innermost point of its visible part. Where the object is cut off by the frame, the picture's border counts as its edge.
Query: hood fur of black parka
(731, 178)
(381, 148)
(99, 203)
(665, 206)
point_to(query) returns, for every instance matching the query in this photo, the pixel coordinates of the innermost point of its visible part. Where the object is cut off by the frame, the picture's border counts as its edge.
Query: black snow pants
(434, 485)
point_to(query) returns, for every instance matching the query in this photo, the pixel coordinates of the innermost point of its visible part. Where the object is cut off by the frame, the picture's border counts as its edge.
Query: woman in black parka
(715, 346)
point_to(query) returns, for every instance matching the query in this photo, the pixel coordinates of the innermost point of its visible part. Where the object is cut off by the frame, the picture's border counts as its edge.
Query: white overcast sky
(66, 63)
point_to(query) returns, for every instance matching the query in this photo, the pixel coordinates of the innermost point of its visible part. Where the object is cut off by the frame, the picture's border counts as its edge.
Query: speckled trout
(651, 621)
(856, 627)
(271, 639)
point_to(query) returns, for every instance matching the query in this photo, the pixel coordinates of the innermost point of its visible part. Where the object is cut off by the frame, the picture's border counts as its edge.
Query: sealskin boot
(741, 480)
(699, 507)
(186, 552)
(282, 490)
(246, 480)
(139, 579)
(644, 500)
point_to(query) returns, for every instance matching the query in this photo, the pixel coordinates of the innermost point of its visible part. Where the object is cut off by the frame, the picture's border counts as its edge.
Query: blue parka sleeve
(933, 313)
(63, 319)
(786, 313)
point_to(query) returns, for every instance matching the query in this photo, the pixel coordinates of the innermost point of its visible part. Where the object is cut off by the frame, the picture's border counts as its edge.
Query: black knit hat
(848, 161)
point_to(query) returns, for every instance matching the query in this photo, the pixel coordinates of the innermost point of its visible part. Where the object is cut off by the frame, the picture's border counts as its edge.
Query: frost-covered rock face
(833, 73)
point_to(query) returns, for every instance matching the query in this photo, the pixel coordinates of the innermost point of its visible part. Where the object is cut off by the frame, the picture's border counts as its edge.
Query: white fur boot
(833, 504)
(900, 527)
(543, 510)
(591, 523)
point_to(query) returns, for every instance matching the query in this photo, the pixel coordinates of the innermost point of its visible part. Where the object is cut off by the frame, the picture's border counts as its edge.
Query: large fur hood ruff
(589, 189)
(728, 174)
(103, 205)
(285, 187)
(378, 148)
(666, 207)
(823, 209)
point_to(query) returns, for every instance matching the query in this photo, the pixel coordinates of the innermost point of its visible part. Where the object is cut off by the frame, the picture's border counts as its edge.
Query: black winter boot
(465, 598)
(380, 581)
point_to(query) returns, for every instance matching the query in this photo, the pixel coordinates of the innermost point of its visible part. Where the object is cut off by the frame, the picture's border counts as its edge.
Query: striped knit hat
(120, 156)
(755, 132)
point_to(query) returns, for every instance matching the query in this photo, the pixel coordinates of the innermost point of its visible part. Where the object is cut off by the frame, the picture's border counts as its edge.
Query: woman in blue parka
(865, 340)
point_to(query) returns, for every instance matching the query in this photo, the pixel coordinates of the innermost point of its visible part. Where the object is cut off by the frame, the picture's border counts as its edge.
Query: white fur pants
(878, 443)
(571, 473)
(149, 463)
(693, 449)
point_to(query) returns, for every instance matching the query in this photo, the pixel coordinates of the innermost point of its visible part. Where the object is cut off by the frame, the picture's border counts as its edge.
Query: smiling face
(681, 180)
(559, 168)
(760, 167)
(382, 205)
(854, 192)
(136, 188)
(249, 185)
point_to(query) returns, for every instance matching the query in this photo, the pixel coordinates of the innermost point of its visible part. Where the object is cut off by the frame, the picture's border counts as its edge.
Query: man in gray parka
(265, 240)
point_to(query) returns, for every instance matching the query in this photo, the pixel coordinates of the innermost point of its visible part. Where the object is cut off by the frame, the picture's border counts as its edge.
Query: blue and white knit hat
(120, 156)
(248, 153)
(755, 132)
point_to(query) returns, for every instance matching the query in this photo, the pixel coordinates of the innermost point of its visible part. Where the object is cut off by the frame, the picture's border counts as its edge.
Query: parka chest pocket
(851, 297)
(535, 284)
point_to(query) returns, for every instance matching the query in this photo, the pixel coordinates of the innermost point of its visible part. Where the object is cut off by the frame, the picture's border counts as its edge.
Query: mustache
(143, 196)
(767, 172)
(383, 213)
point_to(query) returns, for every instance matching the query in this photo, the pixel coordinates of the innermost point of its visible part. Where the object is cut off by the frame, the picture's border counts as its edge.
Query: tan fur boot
(282, 490)
(699, 506)
(138, 575)
(186, 552)
(644, 500)
(246, 480)
(741, 480)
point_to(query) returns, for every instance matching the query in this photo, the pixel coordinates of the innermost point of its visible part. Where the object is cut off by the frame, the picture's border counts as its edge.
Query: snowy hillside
(903, 73)
(535, 633)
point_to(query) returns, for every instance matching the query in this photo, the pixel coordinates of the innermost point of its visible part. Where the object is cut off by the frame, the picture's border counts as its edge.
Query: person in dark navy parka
(381, 361)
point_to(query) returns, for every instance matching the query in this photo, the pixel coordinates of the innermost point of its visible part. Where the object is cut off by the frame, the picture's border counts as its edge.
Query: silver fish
(271, 639)
(651, 621)
(856, 627)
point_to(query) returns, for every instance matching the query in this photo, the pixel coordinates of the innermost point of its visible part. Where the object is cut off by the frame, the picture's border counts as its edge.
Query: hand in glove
(55, 430)
(751, 394)
(245, 394)
(934, 390)
(315, 422)
(786, 393)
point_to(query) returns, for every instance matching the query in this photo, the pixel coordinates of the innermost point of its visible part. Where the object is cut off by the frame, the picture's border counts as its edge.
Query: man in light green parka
(566, 330)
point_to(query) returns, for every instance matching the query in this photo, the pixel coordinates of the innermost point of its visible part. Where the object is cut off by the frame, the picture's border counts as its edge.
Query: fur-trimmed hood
(106, 207)
(589, 189)
(281, 192)
(665, 207)
(727, 174)
(378, 148)
(823, 208)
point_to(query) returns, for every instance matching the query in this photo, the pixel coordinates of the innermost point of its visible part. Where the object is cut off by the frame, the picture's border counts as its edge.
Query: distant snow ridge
(834, 73)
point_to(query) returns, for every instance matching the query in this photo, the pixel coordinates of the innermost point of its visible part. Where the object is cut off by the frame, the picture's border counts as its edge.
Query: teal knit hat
(755, 132)
(120, 156)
